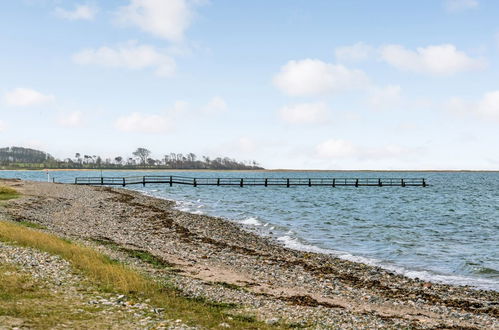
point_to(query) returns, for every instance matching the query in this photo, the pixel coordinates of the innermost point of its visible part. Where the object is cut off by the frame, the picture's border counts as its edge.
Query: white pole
(48, 176)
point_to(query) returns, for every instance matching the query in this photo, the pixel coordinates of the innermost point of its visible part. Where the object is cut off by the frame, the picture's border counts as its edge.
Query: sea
(447, 232)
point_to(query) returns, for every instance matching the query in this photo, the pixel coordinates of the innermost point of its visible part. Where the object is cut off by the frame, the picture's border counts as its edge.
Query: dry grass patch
(26, 302)
(7, 193)
(112, 276)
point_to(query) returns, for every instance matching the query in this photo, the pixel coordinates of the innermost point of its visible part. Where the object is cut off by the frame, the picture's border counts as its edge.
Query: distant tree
(23, 155)
(142, 154)
(18, 157)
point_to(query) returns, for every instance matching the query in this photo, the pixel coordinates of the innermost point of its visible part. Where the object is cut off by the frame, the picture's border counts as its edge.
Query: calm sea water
(447, 232)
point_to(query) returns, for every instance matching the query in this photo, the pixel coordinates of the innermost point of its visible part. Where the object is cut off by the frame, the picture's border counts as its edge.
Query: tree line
(18, 157)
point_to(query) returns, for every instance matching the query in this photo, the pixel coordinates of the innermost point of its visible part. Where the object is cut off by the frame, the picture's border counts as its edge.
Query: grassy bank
(110, 276)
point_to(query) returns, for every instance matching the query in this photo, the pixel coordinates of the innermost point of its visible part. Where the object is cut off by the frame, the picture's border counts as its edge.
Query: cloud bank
(26, 97)
(311, 77)
(131, 55)
(164, 19)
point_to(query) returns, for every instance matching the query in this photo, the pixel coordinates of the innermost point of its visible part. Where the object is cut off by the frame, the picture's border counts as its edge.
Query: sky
(296, 84)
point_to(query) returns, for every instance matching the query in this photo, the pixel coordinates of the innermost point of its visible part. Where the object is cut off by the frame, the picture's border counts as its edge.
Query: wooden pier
(242, 182)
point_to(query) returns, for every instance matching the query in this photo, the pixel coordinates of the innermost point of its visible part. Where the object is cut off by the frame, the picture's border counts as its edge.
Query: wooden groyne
(242, 182)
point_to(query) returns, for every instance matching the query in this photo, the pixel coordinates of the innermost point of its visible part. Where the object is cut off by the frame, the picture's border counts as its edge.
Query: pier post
(424, 183)
(124, 183)
(195, 183)
(334, 183)
(241, 184)
(310, 182)
(171, 181)
(266, 182)
(76, 180)
(379, 183)
(287, 183)
(356, 182)
(218, 181)
(143, 181)
(101, 181)
(402, 182)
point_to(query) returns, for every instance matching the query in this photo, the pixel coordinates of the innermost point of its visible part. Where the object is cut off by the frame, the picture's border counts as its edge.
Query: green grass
(7, 193)
(231, 286)
(113, 276)
(31, 224)
(139, 254)
(148, 258)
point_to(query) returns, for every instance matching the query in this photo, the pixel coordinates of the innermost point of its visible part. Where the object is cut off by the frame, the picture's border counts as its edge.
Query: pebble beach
(218, 260)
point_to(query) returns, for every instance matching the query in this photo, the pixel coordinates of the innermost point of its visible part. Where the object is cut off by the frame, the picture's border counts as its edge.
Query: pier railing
(241, 182)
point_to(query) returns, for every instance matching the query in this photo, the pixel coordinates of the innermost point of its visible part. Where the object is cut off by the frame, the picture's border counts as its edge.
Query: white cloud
(130, 56)
(216, 105)
(24, 97)
(356, 52)
(81, 12)
(385, 97)
(246, 144)
(487, 107)
(164, 19)
(460, 5)
(179, 108)
(72, 119)
(3, 126)
(144, 123)
(338, 148)
(153, 123)
(458, 106)
(438, 59)
(305, 113)
(313, 77)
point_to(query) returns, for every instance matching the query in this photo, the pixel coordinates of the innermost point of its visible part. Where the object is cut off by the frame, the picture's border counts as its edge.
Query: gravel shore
(107, 310)
(216, 259)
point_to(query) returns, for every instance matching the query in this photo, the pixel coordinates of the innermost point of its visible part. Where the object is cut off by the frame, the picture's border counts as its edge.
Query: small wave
(479, 283)
(294, 243)
(251, 222)
(189, 207)
(487, 271)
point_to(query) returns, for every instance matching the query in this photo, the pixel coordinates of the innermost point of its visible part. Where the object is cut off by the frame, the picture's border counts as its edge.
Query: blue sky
(291, 84)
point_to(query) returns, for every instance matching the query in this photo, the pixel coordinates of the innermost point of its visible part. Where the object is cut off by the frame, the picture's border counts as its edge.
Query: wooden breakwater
(242, 182)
